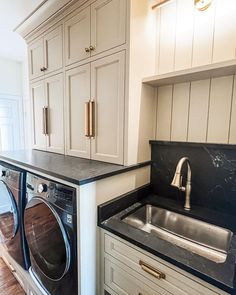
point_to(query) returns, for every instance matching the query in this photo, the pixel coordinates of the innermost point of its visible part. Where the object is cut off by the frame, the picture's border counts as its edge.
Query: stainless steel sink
(202, 238)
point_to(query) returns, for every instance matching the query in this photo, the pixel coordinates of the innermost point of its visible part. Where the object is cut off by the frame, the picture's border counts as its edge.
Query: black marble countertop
(72, 169)
(221, 275)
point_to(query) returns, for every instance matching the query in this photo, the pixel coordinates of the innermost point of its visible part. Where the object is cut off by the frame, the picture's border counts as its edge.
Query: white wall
(201, 111)
(14, 91)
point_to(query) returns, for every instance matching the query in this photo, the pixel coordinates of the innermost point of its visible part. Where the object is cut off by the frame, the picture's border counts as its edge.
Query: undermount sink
(207, 240)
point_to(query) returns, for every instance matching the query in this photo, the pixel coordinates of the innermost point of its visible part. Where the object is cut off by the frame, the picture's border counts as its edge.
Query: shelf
(197, 73)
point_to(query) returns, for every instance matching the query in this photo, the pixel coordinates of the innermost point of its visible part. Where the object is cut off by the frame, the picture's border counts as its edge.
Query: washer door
(47, 239)
(9, 220)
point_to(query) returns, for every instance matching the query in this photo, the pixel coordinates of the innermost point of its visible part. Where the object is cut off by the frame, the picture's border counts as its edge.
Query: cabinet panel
(121, 280)
(203, 36)
(36, 58)
(198, 110)
(184, 34)
(108, 22)
(107, 90)
(53, 50)
(77, 37)
(219, 110)
(180, 112)
(167, 38)
(38, 103)
(77, 93)
(225, 31)
(54, 96)
(164, 108)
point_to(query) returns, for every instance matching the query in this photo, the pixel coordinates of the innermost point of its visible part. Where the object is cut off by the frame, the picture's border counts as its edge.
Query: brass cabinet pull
(46, 121)
(91, 118)
(44, 130)
(87, 49)
(86, 119)
(151, 270)
(43, 69)
(91, 48)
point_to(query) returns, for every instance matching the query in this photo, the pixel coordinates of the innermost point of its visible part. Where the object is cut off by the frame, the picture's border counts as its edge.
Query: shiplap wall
(201, 111)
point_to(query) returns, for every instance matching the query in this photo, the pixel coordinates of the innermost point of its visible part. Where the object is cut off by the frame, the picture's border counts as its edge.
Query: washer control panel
(60, 195)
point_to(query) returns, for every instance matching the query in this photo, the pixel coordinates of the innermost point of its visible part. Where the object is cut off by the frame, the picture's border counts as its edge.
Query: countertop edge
(79, 182)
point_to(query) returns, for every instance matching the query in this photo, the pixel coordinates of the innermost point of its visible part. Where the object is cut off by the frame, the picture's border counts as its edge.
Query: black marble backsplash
(213, 173)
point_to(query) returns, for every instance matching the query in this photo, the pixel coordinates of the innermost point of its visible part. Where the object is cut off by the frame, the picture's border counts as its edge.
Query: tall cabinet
(86, 65)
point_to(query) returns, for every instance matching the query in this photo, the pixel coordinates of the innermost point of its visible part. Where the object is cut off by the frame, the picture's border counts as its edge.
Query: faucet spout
(178, 181)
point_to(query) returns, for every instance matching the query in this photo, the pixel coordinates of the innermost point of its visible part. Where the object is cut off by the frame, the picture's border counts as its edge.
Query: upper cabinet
(77, 37)
(108, 24)
(45, 54)
(99, 27)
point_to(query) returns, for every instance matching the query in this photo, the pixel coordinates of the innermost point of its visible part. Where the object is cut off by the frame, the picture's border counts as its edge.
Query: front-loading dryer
(51, 232)
(12, 205)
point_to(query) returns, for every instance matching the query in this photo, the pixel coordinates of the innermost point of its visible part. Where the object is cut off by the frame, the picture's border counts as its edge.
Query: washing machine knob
(42, 188)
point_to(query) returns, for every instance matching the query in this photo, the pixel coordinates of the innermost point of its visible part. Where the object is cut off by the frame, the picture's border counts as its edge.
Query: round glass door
(47, 239)
(8, 213)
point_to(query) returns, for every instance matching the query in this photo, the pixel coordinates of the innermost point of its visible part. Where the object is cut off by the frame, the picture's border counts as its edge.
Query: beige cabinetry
(100, 82)
(129, 270)
(45, 53)
(47, 114)
(99, 27)
(97, 47)
(77, 94)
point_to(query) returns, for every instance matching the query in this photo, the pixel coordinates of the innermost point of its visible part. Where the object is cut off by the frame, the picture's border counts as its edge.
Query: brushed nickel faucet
(178, 181)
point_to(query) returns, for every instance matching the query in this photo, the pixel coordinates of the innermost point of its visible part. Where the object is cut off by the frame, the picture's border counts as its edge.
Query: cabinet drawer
(174, 281)
(123, 281)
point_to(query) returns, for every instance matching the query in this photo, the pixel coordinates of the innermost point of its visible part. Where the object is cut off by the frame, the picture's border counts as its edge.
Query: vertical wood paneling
(232, 137)
(219, 110)
(203, 36)
(225, 31)
(167, 38)
(184, 34)
(164, 109)
(198, 111)
(180, 110)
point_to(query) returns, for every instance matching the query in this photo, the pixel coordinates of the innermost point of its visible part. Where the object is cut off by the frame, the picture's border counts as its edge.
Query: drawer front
(159, 273)
(124, 281)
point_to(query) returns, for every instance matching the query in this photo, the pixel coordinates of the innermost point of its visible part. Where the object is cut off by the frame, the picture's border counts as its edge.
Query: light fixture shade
(202, 4)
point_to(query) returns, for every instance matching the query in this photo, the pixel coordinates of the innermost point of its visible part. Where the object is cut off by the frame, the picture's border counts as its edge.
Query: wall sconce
(202, 4)
(161, 3)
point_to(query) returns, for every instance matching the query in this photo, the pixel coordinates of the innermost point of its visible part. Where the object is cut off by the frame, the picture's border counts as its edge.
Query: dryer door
(9, 220)
(47, 239)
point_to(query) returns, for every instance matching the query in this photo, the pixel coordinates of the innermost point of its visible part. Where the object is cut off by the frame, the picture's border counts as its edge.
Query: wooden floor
(8, 283)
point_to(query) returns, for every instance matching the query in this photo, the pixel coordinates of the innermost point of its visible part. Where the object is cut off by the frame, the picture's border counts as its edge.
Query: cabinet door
(38, 103)
(55, 113)
(108, 23)
(36, 58)
(53, 50)
(77, 37)
(107, 90)
(77, 93)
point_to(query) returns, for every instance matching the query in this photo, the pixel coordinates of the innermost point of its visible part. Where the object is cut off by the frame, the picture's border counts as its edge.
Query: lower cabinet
(96, 131)
(129, 270)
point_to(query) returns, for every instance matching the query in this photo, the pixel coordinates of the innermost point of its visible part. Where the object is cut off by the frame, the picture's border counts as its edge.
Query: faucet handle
(177, 180)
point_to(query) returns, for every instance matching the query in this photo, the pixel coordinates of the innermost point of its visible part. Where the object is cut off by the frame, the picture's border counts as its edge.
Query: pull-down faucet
(178, 181)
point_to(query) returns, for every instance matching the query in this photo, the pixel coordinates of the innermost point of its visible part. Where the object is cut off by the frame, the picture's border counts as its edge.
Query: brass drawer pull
(151, 270)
